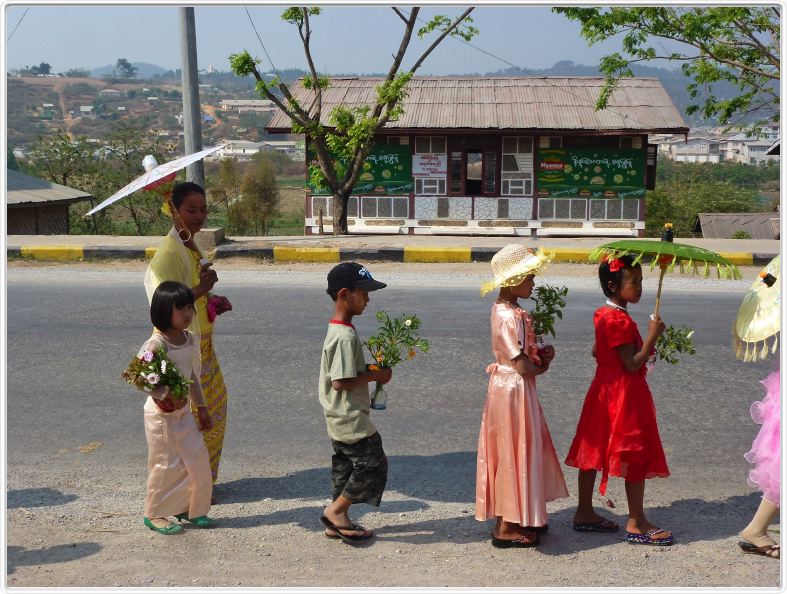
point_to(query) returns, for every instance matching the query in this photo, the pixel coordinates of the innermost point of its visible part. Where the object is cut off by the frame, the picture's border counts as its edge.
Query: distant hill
(144, 70)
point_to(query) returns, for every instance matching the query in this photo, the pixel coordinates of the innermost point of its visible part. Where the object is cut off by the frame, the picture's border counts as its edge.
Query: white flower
(153, 378)
(408, 322)
(689, 335)
(163, 367)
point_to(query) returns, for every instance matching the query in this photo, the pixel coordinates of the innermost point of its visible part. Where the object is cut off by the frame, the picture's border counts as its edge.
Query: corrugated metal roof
(638, 104)
(26, 189)
(721, 225)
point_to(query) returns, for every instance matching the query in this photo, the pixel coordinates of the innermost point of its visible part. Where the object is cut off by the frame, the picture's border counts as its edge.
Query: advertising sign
(430, 165)
(387, 170)
(591, 173)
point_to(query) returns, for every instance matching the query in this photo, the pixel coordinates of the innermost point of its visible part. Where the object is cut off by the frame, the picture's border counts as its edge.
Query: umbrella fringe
(775, 343)
(764, 349)
(638, 259)
(738, 348)
(706, 271)
(671, 266)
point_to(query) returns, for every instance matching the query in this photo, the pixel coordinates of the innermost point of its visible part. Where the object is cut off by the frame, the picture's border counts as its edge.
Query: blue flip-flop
(648, 539)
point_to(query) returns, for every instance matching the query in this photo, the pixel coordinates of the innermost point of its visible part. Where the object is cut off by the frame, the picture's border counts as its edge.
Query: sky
(346, 39)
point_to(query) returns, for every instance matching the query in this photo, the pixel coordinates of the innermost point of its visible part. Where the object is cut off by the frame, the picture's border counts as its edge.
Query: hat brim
(370, 285)
(518, 273)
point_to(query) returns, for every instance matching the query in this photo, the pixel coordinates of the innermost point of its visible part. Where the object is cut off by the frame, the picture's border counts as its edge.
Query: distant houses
(710, 146)
(253, 105)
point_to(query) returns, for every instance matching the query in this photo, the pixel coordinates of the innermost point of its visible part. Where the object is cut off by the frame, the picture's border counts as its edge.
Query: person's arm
(525, 367)
(631, 358)
(380, 375)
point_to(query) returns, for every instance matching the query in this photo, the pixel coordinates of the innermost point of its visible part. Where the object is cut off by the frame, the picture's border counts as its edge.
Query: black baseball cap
(351, 275)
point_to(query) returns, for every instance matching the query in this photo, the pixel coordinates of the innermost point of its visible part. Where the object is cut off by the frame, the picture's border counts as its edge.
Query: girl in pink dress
(518, 470)
(765, 454)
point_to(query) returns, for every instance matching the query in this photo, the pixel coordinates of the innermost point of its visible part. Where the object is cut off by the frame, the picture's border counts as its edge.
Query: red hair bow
(614, 265)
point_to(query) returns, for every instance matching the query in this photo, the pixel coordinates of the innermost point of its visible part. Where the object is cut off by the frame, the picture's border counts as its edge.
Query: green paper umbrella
(667, 255)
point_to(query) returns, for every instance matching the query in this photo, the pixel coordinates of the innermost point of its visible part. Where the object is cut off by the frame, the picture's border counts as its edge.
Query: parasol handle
(658, 293)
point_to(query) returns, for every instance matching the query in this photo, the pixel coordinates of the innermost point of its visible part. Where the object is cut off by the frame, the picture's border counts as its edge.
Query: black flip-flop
(517, 543)
(604, 525)
(764, 550)
(338, 530)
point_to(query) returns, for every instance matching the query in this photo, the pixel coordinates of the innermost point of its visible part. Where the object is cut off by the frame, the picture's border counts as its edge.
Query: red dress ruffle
(617, 431)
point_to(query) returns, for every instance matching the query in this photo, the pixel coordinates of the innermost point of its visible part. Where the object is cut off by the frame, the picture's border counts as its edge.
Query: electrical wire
(262, 44)
(17, 25)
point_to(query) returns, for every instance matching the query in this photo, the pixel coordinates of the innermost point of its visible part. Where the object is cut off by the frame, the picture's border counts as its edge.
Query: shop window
(405, 140)
(430, 144)
(490, 172)
(631, 142)
(474, 169)
(430, 186)
(516, 174)
(550, 142)
(456, 172)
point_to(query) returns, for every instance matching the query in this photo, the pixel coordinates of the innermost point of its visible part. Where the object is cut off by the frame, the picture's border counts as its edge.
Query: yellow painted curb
(437, 254)
(569, 255)
(150, 252)
(58, 253)
(739, 258)
(315, 254)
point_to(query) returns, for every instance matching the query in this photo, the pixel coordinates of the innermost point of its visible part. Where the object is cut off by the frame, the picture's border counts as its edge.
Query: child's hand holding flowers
(396, 338)
(154, 373)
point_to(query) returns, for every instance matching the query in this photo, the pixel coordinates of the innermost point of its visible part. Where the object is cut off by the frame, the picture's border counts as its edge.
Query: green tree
(77, 73)
(259, 196)
(738, 45)
(679, 204)
(225, 191)
(62, 160)
(347, 133)
(11, 159)
(124, 150)
(124, 69)
(44, 68)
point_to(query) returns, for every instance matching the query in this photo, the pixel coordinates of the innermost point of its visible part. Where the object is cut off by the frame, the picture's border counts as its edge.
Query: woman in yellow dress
(178, 258)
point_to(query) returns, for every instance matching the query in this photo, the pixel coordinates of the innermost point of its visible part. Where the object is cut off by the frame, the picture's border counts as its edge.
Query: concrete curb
(287, 253)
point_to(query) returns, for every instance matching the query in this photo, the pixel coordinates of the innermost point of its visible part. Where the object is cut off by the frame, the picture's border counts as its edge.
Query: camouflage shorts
(359, 470)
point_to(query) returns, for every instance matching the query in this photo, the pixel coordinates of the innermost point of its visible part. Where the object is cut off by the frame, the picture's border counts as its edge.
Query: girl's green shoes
(199, 521)
(171, 529)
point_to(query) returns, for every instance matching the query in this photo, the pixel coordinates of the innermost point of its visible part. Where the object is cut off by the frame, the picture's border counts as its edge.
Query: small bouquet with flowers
(153, 369)
(395, 338)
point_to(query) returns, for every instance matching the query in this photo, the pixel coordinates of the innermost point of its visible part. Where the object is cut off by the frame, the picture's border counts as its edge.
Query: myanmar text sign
(387, 170)
(599, 173)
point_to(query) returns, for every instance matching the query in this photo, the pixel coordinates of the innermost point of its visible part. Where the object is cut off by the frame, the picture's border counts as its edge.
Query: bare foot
(343, 523)
(591, 517)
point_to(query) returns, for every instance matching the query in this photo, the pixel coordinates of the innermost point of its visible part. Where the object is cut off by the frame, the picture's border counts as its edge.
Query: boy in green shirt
(359, 466)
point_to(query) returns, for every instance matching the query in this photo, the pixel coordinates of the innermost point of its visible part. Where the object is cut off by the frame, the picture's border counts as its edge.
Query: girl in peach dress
(518, 470)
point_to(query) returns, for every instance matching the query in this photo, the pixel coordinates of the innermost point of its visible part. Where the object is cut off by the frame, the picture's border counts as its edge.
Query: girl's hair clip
(615, 264)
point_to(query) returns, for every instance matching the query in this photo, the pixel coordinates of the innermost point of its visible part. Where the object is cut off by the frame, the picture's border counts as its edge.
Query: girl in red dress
(617, 431)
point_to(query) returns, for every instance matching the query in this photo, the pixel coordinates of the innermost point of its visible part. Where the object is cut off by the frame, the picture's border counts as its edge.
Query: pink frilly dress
(765, 451)
(517, 470)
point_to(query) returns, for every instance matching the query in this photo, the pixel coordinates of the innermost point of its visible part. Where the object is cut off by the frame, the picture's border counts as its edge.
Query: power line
(17, 25)
(546, 78)
(262, 44)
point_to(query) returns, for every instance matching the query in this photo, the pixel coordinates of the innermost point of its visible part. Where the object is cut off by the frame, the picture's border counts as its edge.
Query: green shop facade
(504, 156)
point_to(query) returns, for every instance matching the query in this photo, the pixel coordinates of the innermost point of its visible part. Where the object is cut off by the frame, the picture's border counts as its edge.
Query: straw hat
(512, 264)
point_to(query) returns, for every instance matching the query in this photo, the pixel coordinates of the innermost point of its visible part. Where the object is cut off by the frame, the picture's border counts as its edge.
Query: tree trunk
(340, 214)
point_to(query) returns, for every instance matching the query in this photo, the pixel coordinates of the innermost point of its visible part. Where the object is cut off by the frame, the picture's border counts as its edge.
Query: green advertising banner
(387, 170)
(591, 173)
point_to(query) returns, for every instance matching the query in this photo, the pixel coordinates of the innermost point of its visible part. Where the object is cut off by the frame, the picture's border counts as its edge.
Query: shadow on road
(41, 497)
(446, 477)
(20, 556)
(450, 477)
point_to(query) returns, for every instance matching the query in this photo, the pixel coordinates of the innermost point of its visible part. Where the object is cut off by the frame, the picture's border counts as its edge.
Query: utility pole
(192, 124)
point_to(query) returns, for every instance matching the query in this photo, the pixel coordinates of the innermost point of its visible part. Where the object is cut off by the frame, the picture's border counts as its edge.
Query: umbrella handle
(658, 293)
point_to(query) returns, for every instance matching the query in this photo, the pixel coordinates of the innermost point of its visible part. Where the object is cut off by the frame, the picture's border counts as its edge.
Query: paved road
(70, 332)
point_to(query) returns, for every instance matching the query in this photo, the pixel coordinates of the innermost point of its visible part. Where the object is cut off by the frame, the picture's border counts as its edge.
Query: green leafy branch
(675, 340)
(550, 302)
(395, 337)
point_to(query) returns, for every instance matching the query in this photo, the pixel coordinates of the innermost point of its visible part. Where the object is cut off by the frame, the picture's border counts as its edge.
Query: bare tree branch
(445, 33)
(399, 14)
